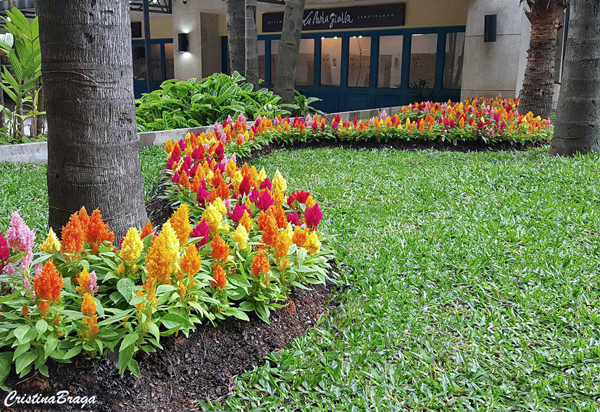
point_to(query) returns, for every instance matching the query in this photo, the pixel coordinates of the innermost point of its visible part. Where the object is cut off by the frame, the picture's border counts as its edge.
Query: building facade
(358, 54)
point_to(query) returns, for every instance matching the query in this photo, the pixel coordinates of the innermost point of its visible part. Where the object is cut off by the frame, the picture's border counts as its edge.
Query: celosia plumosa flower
(201, 231)
(50, 243)
(48, 284)
(147, 230)
(220, 249)
(219, 278)
(180, 221)
(4, 252)
(18, 236)
(73, 236)
(87, 282)
(162, 255)
(313, 216)
(260, 264)
(98, 231)
(240, 236)
(132, 246)
(190, 262)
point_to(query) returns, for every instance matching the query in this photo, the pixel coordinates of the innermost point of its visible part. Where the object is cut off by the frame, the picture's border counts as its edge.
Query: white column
(495, 67)
(187, 19)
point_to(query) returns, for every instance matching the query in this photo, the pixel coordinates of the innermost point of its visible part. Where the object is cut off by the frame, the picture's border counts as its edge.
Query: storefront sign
(386, 15)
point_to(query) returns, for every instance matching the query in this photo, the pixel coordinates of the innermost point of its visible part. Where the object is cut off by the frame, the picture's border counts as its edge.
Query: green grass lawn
(475, 285)
(23, 188)
(474, 281)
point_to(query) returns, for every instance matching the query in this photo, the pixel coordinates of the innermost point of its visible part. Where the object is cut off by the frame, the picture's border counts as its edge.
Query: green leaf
(21, 331)
(50, 345)
(24, 361)
(126, 288)
(41, 326)
(129, 340)
(71, 353)
(125, 356)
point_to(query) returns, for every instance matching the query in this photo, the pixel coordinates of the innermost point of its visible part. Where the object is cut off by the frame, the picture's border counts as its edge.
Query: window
(390, 61)
(305, 68)
(422, 60)
(169, 63)
(331, 56)
(359, 61)
(139, 62)
(261, 59)
(274, 56)
(455, 48)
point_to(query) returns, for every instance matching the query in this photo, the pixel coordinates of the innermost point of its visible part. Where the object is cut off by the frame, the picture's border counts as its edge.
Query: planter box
(24, 153)
(38, 152)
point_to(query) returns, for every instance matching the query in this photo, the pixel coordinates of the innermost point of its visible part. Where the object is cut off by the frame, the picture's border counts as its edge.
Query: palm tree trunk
(578, 118)
(236, 23)
(251, 44)
(93, 147)
(538, 85)
(289, 46)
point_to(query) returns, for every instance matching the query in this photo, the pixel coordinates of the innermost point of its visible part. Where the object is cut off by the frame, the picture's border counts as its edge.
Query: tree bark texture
(289, 47)
(538, 85)
(236, 27)
(577, 127)
(251, 44)
(93, 147)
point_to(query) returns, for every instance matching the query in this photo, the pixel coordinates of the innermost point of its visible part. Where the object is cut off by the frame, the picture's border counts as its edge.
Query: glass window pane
(169, 63)
(359, 61)
(261, 59)
(157, 73)
(139, 62)
(274, 55)
(422, 60)
(455, 48)
(331, 56)
(305, 67)
(390, 61)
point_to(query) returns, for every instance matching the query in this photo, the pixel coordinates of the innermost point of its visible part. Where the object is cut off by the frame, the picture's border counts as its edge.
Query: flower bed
(491, 121)
(248, 245)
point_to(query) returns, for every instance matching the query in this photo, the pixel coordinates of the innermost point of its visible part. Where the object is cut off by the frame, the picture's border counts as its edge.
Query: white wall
(188, 19)
(496, 67)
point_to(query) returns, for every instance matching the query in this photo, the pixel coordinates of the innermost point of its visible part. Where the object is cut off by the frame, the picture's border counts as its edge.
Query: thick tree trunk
(251, 44)
(236, 23)
(289, 46)
(93, 157)
(538, 85)
(578, 118)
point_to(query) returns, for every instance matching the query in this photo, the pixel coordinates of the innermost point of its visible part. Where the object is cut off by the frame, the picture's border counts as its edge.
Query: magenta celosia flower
(93, 283)
(313, 216)
(294, 218)
(241, 118)
(244, 188)
(4, 252)
(238, 212)
(170, 163)
(264, 200)
(202, 196)
(18, 236)
(266, 184)
(254, 195)
(220, 151)
(202, 231)
(299, 196)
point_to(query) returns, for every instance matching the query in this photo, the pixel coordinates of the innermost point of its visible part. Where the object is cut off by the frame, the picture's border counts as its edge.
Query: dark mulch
(202, 366)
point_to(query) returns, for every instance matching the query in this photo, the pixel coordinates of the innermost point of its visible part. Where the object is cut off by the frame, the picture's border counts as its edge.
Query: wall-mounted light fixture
(184, 1)
(183, 41)
(489, 29)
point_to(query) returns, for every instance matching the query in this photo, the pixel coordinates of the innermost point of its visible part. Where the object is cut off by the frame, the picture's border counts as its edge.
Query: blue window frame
(344, 98)
(139, 85)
